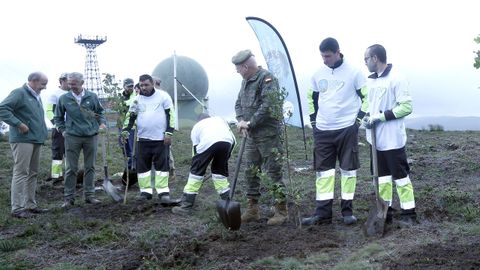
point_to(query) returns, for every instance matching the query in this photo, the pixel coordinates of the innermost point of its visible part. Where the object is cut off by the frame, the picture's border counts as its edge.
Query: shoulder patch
(268, 79)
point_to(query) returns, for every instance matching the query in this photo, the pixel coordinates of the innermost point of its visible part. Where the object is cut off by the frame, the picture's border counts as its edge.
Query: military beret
(241, 57)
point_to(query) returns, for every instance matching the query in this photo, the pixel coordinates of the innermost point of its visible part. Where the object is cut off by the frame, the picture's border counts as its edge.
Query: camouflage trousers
(264, 159)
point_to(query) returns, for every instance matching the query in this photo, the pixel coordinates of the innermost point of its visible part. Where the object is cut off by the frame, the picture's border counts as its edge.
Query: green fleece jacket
(82, 119)
(21, 106)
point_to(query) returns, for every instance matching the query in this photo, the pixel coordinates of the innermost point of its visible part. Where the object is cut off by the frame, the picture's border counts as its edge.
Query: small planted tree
(114, 103)
(476, 64)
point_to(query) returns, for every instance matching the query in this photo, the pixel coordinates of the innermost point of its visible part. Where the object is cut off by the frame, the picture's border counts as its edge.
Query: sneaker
(316, 220)
(349, 220)
(143, 196)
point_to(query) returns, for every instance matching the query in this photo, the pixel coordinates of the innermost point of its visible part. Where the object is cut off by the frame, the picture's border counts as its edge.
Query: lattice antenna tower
(92, 77)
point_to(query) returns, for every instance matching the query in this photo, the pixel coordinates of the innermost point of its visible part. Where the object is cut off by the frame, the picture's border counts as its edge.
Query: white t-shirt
(338, 102)
(383, 94)
(151, 119)
(209, 131)
(53, 96)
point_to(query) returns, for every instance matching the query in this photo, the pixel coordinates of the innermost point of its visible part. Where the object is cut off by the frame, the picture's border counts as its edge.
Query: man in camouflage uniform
(258, 114)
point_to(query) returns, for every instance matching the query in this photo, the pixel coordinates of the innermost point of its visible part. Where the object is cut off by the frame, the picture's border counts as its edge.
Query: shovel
(108, 187)
(375, 224)
(228, 210)
(129, 177)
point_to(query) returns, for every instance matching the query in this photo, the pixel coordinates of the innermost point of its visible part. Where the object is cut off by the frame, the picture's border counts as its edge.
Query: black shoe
(349, 220)
(38, 210)
(92, 200)
(23, 214)
(165, 200)
(407, 221)
(56, 181)
(390, 213)
(316, 220)
(143, 196)
(67, 203)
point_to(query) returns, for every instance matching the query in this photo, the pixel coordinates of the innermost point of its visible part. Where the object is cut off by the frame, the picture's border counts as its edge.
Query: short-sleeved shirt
(151, 119)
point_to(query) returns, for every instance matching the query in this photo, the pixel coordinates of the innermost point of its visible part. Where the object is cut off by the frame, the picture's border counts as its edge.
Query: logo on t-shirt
(330, 85)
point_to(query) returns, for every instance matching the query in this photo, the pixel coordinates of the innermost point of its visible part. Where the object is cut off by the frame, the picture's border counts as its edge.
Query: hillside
(447, 122)
(445, 174)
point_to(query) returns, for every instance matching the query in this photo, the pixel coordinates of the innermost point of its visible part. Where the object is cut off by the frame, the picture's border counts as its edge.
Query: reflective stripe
(56, 170)
(196, 177)
(220, 182)
(145, 174)
(324, 174)
(57, 162)
(325, 185)
(144, 181)
(161, 182)
(405, 193)
(407, 205)
(146, 190)
(347, 196)
(352, 173)
(194, 183)
(348, 184)
(161, 173)
(324, 196)
(403, 182)
(385, 179)
(385, 191)
(162, 190)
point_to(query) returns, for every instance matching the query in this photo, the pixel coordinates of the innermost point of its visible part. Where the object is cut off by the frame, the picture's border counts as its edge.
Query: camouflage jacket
(260, 103)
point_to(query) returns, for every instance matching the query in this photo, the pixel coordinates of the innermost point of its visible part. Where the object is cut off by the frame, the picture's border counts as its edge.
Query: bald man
(22, 110)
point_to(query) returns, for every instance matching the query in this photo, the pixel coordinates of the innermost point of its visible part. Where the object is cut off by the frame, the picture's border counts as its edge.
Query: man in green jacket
(23, 111)
(79, 116)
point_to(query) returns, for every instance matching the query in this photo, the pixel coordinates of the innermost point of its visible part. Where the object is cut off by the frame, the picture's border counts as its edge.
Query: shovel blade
(229, 213)
(375, 225)
(111, 190)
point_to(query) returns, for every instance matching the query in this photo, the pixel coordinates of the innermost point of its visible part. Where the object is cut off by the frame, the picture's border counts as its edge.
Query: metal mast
(93, 79)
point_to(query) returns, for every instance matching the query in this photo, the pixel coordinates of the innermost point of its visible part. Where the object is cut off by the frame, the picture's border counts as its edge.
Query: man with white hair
(79, 116)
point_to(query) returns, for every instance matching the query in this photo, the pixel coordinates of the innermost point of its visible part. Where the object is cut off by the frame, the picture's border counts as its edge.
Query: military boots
(252, 212)
(280, 214)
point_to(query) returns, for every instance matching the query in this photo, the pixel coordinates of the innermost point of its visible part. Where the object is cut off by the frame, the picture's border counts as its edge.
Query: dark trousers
(218, 154)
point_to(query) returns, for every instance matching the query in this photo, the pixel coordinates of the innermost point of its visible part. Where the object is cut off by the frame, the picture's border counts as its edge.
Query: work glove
(370, 121)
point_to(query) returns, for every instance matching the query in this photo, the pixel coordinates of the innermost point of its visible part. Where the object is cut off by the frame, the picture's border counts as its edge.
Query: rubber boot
(280, 215)
(252, 212)
(165, 200)
(186, 205)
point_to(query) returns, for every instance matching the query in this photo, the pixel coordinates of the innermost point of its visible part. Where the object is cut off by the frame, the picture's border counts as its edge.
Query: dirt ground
(446, 177)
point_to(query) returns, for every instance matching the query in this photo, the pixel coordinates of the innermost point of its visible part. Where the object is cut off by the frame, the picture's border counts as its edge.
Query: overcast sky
(431, 42)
